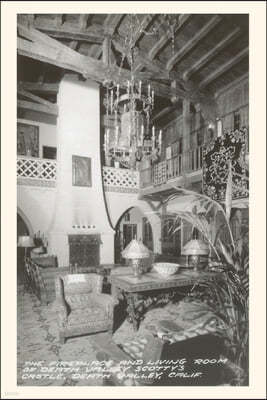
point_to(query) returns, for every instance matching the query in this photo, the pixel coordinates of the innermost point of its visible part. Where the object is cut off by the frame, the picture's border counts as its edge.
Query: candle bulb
(107, 137)
(140, 89)
(148, 92)
(160, 138)
(116, 135)
(118, 90)
(152, 98)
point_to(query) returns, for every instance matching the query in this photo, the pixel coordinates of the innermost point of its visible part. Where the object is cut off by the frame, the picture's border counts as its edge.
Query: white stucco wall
(79, 134)
(118, 203)
(37, 204)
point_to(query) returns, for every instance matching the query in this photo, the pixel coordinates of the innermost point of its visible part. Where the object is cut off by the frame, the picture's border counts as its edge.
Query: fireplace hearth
(84, 250)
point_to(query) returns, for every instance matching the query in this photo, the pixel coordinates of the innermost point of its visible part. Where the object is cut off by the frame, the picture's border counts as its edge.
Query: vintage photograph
(133, 199)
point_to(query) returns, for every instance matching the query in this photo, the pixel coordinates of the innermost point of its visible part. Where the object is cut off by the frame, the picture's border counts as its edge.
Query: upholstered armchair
(81, 307)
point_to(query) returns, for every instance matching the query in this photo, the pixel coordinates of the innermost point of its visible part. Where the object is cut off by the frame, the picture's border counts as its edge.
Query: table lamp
(25, 241)
(135, 251)
(193, 250)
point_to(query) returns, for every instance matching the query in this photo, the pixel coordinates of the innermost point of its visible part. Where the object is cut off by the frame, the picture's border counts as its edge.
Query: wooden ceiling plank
(27, 105)
(33, 97)
(165, 38)
(224, 68)
(211, 54)
(190, 44)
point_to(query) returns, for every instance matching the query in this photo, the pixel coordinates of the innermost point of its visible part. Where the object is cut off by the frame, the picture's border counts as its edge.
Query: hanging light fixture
(131, 135)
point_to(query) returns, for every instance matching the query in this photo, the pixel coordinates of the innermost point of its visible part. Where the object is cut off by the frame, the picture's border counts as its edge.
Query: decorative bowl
(166, 269)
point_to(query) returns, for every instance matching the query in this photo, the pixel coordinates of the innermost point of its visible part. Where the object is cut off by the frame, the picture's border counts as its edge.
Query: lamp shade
(25, 241)
(195, 247)
(135, 250)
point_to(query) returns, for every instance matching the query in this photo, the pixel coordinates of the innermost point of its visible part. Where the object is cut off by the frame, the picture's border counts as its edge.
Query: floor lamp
(25, 241)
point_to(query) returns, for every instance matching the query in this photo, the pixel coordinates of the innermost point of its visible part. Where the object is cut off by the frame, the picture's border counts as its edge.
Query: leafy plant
(227, 297)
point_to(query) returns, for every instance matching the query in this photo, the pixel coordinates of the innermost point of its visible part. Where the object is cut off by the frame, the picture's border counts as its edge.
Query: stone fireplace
(84, 250)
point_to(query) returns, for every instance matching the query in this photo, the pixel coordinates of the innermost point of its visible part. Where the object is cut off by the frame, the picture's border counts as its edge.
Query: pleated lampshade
(135, 250)
(25, 241)
(195, 247)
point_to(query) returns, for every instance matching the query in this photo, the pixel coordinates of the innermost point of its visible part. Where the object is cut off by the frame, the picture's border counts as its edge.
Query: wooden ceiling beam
(224, 68)
(190, 44)
(211, 54)
(111, 22)
(183, 18)
(71, 31)
(110, 25)
(87, 66)
(49, 88)
(49, 50)
(144, 24)
(162, 113)
(27, 105)
(33, 97)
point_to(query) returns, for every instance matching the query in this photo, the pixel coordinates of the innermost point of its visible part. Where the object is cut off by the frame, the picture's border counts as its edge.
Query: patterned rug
(44, 361)
(37, 342)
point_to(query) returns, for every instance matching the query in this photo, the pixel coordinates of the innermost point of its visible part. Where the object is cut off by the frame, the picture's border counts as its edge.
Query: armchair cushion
(84, 316)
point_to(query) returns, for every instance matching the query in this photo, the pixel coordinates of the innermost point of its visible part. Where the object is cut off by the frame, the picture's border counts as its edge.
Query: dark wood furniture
(84, 250)
(151, 288)
(41, 280)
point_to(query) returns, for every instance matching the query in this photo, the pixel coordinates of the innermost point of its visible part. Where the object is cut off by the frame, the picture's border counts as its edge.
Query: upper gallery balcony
(206, 165)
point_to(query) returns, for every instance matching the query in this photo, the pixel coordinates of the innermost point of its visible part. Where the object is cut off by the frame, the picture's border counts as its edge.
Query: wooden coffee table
(151, 288)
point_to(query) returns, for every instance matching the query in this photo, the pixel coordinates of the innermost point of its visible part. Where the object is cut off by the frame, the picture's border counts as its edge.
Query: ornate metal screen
(231, 146)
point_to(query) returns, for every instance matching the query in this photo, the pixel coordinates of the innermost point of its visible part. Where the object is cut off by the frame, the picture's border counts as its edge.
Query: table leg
(133, 309)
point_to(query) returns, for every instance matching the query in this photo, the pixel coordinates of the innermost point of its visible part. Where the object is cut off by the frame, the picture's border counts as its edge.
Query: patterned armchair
(81, 307)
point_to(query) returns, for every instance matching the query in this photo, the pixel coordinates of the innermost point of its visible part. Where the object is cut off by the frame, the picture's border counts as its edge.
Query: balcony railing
(32, 168)
(119, 179)
(166, 170)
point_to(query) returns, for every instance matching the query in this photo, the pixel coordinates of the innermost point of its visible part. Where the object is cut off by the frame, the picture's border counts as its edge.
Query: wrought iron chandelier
(131, 136)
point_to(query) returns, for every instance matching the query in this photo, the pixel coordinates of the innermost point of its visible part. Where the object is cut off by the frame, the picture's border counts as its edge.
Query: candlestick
(116, 135)
(118, 90)
(152, 98)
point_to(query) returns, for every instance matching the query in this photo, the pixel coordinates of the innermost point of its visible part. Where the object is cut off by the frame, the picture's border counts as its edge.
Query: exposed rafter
(165, 38)
(204, 31)
(35, 98)
(66, 31)
(110, 25)
(211, 54)
(49, 88)
(27, 105)
(49, 50)
(224, 68)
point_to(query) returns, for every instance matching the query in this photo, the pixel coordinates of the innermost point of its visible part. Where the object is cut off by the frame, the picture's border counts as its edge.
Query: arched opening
(22, 230)
(132, 224)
